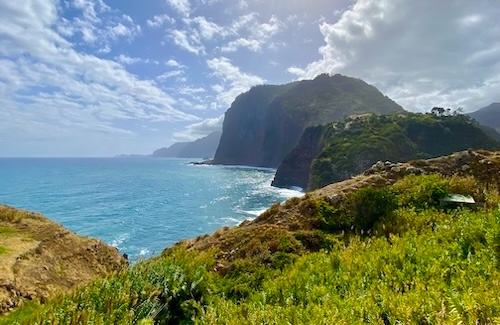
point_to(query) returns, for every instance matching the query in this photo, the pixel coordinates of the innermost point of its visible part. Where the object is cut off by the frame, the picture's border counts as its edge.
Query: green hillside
(368, 254)
(339, 150)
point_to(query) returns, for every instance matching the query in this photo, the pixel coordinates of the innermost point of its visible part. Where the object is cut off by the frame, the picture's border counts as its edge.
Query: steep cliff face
(264, 124)
(295, 168)
(337, 151)
(244, 126)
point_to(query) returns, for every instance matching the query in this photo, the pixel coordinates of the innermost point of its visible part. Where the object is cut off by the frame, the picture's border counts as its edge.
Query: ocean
(139, 205)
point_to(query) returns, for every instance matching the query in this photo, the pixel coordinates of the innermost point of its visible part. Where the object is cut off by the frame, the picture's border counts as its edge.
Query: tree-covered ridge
(367, 254)
(354, 145)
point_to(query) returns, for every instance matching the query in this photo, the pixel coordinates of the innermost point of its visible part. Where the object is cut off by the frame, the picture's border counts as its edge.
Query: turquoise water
(138, 205)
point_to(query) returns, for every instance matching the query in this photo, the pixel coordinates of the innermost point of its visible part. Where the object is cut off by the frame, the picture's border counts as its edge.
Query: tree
(438, 111)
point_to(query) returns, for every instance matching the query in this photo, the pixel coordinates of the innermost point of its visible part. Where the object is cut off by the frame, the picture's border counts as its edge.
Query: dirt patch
(43, 258)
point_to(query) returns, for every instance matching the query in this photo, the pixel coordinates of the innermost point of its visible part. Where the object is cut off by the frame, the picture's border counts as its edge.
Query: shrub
(331, 219)
(421, 191)
(314, 240)
(370, 205)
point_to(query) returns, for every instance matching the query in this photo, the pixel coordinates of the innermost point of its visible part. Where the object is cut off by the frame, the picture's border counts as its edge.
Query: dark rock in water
(263, 125)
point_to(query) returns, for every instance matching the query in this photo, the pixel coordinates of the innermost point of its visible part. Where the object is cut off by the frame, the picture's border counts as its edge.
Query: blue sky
(104, 77)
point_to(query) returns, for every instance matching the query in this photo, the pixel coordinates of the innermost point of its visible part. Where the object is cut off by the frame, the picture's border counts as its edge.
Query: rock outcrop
(39, 258)
(264, 124)
(338, 151)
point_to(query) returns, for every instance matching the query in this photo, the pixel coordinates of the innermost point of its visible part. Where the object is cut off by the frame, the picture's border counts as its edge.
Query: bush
(370, 205)
(422, 191)
(331, 219)
(314, 240)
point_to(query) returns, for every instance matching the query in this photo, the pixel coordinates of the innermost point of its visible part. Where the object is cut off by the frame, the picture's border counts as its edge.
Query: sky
(104, 77)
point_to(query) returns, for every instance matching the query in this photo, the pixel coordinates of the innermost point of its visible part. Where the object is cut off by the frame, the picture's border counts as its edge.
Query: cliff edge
(39, 258)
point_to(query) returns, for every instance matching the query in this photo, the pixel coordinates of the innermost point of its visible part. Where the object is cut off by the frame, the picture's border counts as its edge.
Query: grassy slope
(414, 263)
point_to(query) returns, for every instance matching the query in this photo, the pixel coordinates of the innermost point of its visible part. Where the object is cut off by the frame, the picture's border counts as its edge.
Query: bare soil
(42, 258)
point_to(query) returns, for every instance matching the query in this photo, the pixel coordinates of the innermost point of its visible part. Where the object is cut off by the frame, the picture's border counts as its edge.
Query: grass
(7, 230)
(3, 250)
(412, 263)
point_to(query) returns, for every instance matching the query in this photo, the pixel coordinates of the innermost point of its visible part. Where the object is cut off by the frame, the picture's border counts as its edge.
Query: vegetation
(380, 255)
(3, 250)
(7, 230)
(354, 145)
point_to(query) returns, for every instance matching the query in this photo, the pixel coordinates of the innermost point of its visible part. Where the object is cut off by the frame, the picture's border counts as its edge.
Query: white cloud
(207, 29)
(251, 44)
(160, 20)
(420, 53)
(169, 74)
(124, 59)
(259, 34)
(198, 34)
(191, 90)
(182, 6)
(49, 91)
(235, 81)
(120, 30)
(174, 64)
(200, 129)
(97, 25)
(181, 39)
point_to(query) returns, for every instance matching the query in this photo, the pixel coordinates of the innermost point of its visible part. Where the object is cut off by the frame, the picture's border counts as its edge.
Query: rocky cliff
(39, 258)
(264, 124)
(337, 151)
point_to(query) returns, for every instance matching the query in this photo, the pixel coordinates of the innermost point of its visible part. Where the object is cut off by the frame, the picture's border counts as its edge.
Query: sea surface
(139, 205)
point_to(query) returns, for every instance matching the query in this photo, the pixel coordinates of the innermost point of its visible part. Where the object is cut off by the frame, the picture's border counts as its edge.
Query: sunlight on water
(139, 206)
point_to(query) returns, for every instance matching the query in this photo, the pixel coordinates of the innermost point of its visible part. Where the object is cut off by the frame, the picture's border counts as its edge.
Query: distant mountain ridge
(489, 116)
(200, 148)
(336, 151)
(264, 124)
